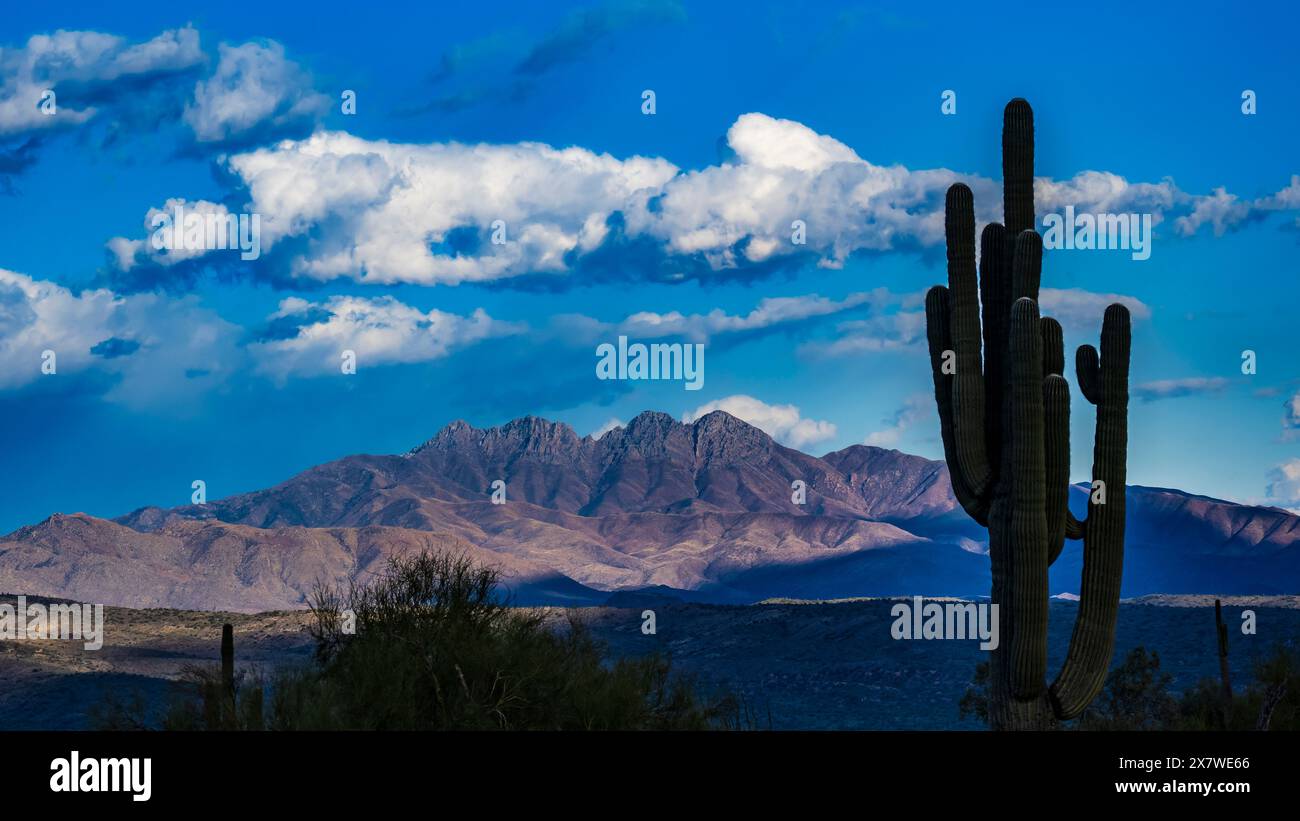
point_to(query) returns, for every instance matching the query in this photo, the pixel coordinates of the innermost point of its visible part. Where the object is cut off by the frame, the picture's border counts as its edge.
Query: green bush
(430, 645)
(1135, 697)
(434, 647)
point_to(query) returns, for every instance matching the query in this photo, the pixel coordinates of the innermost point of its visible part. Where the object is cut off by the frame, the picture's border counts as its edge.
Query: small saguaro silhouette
(228, 661)
(1221, 629)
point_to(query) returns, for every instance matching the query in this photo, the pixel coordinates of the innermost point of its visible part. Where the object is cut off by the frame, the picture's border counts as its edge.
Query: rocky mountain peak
(654, 435)
(526, 435)
(721, 436)
(454, 434)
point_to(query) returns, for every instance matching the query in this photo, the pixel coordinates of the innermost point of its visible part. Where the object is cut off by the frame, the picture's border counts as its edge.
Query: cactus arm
(959, 230)
(995, 299)
(937, 317)
(1093, 640)
(1056, 430)
(1018, 167)
(1056, 441)
(1074, 529)
(1053, 347)
(964, 327)
(1024, 523)
(1087, 370)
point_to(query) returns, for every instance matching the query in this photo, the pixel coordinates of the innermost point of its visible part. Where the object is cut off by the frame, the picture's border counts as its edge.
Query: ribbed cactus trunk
(1004, 414)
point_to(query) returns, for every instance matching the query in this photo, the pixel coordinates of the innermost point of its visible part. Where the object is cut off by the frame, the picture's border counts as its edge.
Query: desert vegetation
(432, 645)
(1138, 696)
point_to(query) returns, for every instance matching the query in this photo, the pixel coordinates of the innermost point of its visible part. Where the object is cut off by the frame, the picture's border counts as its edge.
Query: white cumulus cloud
(783, 423)
(128, 252)
(255, 87)
(1080, 310)
(1283, 488)
(380, 331)
(375, 209)
(153, 346)
(386, 212)
(91, 60)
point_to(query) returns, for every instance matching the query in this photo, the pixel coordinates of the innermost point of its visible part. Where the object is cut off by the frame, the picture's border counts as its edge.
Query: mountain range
(702, 511)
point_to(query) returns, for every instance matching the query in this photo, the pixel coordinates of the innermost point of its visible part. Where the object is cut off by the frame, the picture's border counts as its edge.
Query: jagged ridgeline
(1004, 414)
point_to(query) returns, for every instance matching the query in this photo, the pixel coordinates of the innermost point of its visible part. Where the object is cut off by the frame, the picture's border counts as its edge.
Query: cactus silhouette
(228, 662)
(1221, 630)
(1004, 416)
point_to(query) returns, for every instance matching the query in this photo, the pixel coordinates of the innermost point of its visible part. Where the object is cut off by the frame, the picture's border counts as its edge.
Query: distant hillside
(700, 511)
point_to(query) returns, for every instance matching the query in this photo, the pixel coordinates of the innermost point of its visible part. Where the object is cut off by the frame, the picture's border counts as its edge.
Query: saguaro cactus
(1004, 418)
(1221, 630)
(228, 662)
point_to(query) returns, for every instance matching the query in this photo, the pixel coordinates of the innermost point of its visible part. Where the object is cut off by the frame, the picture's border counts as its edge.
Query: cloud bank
(446, 213)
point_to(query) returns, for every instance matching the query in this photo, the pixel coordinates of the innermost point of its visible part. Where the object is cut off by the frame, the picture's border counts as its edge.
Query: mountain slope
(216, 566)
(706, 507)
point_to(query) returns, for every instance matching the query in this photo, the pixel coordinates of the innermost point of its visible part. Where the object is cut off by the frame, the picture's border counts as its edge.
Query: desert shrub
(1135, 696)
(1272, 698)
(433, 646)
(121, 712)
(197, 701)
(1277, 683)
(202, 701)
(975, 701)
(1201, 706)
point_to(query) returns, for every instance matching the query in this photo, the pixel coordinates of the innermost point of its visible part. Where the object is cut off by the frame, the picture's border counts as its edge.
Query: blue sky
(671, 227)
